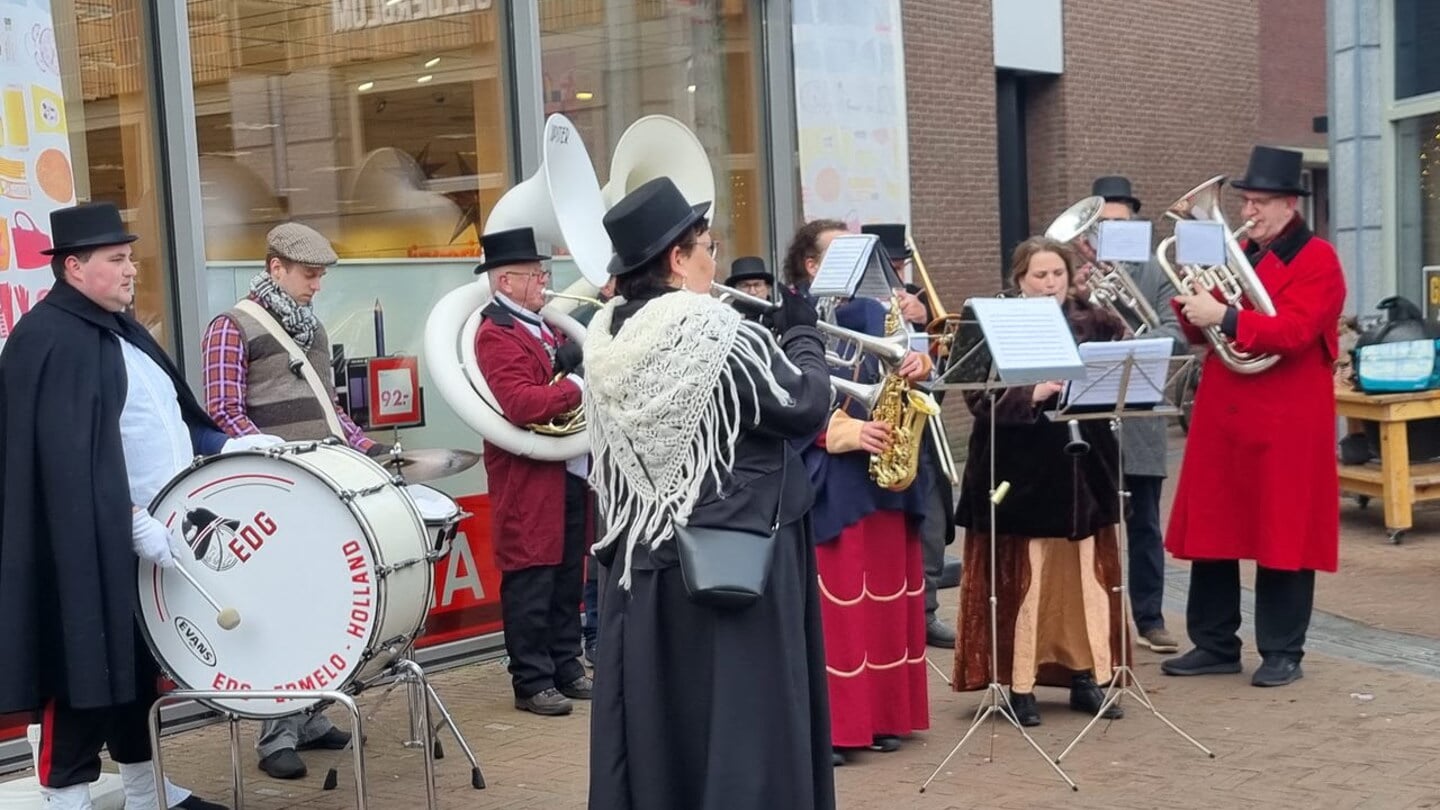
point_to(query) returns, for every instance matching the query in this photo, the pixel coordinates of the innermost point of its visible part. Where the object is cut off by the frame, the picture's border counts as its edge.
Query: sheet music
(1124, 241)
(1104, 369)
(1199, 242)
(843, 266)
(1029, 339)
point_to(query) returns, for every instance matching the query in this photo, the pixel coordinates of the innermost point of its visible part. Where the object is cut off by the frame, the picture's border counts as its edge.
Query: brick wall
(1165, 93)
(1292, 72)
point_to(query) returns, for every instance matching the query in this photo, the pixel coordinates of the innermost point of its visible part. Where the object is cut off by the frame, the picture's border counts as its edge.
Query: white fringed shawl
(662, 407)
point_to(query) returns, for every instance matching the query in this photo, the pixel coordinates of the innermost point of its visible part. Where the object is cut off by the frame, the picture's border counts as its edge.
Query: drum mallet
(228, 618)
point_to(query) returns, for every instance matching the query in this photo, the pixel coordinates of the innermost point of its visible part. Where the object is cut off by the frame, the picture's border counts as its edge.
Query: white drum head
(276, 542)
(436, 508)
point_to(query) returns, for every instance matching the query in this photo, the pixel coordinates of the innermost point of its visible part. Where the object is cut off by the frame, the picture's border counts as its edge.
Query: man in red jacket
(1259, 478)
(539, 549)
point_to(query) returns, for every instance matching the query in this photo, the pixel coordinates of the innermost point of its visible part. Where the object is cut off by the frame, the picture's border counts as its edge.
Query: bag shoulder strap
(297, 356)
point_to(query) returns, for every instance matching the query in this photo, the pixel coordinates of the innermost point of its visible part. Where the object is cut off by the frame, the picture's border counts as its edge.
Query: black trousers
(1147, 551)
(71, 739)
(1283, 601)
(541, 609)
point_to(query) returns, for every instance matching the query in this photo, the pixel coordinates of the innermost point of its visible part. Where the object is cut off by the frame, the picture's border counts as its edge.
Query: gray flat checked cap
(300, 244)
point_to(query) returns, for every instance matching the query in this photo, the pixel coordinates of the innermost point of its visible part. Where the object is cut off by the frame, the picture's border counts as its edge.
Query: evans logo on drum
(195, 641)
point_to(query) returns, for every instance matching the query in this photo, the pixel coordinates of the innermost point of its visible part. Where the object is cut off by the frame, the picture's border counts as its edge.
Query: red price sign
(394, 391)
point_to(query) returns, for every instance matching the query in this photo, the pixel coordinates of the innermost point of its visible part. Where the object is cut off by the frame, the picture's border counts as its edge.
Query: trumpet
(890, 350)
(742, 300)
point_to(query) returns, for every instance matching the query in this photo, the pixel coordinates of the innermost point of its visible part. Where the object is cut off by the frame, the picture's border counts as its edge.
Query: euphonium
(1109, 284)
(1235, 280)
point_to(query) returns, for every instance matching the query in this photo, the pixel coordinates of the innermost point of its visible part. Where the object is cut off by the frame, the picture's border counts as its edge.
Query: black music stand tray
(1124, 371)
(972, 370)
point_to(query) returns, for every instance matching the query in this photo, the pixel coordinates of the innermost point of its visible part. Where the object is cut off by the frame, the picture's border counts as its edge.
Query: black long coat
(1052, 494)
(67, 567)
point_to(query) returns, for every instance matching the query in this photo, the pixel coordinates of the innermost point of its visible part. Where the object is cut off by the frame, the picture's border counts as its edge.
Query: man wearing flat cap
(267, 368)
(539, 548)
(95, 420)
(1259, 480)
(1146, 442)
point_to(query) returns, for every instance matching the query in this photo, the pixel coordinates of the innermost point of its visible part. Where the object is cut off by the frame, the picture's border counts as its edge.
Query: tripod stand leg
(477, 779)
(995, 702)
(420, 688)
(938, 671)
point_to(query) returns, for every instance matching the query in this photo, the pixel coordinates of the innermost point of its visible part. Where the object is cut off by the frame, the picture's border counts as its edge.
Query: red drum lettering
(252, 537)
(227, 683)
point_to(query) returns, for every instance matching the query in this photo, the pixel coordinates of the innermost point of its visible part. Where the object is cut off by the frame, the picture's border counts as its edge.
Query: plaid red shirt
(226, 366)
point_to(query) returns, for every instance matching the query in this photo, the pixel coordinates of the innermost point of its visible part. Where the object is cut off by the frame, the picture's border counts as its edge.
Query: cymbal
(427, 465)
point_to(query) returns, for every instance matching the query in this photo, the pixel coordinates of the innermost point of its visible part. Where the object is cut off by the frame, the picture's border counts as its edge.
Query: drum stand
(996, 700)
(1123, 680)
(424, 734)
(237, 786)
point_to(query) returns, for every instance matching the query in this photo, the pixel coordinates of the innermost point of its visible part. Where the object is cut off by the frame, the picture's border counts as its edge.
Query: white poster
(35, 171)
(850, 106)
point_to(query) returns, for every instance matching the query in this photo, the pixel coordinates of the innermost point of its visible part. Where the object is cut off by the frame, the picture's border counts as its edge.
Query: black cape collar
(73, 301)
(1295, 235)
(506, 316)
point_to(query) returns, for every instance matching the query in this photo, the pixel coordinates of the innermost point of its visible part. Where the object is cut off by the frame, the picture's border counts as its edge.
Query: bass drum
(326, 559)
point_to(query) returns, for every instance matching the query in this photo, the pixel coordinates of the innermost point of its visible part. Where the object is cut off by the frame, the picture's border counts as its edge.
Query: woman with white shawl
(691, 411)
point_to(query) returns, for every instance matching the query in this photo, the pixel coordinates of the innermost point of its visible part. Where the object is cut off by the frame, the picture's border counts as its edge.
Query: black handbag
(728, 569)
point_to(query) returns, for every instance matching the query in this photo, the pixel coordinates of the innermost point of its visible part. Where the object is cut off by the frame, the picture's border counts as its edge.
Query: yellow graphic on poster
(850, 111)
(36, 175)
(49, 109)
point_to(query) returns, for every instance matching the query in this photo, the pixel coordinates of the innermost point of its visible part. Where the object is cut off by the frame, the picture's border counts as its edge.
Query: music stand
(1121, 373)
(965, 374)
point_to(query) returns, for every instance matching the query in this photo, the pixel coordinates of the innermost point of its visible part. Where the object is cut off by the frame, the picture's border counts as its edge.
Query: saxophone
(907, 411)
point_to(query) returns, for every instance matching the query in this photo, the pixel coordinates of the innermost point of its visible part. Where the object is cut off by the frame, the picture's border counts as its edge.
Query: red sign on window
(394, 391)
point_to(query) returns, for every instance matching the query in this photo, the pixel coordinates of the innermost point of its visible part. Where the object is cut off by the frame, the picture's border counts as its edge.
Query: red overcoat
(1259, 480)
(527, 513)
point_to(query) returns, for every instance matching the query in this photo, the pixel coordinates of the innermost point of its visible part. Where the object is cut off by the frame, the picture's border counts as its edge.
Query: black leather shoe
(1027, 712)
(283, 764)
(193, 802)
(1277, 670)
(1087, 696)
(1200, 662)
(885, 743)
(939, 634)
(578, 689)
(333, 740)
(837, 758)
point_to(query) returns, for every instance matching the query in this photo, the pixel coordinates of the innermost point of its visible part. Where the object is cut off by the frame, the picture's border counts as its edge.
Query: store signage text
(354, 15)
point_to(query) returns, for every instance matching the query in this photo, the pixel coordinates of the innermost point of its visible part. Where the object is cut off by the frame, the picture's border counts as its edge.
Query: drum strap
(298, 359)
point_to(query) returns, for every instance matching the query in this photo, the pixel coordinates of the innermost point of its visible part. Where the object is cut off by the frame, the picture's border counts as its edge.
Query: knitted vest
(278, 400)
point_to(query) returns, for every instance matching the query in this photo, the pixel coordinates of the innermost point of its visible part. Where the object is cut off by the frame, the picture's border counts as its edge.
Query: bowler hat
(515, 246)
(86, 227)
(646, 222)
(1115, 188)
(892, 238)
(749, 268)
(1275, 170)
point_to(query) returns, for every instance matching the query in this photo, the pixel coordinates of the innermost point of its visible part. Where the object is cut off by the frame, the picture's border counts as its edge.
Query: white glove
(253, 441)
(151, 539)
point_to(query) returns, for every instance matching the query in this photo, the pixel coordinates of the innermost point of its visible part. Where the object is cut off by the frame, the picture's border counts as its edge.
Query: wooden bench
(1395, 481)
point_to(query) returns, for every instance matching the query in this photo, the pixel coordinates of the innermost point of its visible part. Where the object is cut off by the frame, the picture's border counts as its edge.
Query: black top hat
(749, 268)
(516, 246)
(646, 222)
(1272, 169)
(892, 238)
(1115, 188)
(86, 227)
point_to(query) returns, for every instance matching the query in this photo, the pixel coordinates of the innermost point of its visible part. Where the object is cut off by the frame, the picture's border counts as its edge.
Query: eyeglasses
(541, 273)
(713, 248)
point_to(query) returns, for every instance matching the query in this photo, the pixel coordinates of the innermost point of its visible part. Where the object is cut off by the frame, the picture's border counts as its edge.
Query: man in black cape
(92, 414)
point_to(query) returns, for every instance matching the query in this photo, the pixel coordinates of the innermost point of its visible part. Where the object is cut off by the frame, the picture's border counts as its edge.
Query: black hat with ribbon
(749, 268)
(647, 221)
(86, 227)
(1274, 170)
(515, 246)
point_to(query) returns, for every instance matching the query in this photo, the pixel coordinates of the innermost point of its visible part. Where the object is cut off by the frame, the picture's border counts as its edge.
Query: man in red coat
(539, 549)
(1259, 478)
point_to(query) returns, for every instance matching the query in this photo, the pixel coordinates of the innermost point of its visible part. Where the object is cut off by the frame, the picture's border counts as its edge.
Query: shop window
(77, 124)
(607, 64)
(1417, 150)
(1417, 60)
